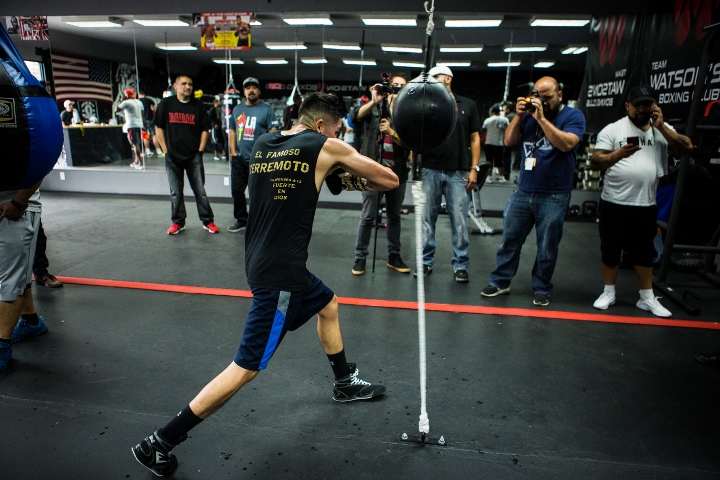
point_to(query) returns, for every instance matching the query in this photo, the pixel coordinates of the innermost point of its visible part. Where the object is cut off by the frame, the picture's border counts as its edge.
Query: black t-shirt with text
(283, 199)
(453, 153)
(183, 123)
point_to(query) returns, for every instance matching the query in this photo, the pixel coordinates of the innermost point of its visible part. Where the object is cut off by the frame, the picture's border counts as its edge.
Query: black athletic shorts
(494, 155)
(134, 136)
(273, 313)
(629, 229)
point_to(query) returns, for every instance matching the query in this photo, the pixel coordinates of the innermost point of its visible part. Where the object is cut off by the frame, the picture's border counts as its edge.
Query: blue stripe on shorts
(277, 329)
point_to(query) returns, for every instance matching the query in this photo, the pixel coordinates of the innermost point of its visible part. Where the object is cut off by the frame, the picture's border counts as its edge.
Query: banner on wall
(29, 28)
(224, 30)
(661, 50)
(79, 78)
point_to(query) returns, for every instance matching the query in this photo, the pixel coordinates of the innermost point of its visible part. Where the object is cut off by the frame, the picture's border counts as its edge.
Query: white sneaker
(489, 180)
(604, 301)
(502, 180)
(216, 157)
(652, 305)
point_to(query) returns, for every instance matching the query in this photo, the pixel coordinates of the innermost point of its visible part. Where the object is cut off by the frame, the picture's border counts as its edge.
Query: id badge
(529, 163)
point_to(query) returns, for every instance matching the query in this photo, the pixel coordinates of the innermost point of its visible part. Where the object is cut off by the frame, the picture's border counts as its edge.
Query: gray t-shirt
(495, 127)
(249, 123)
(633, 180)
(133, 110)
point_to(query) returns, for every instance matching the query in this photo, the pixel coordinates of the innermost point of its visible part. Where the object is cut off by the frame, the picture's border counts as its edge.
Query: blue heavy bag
(30, 129)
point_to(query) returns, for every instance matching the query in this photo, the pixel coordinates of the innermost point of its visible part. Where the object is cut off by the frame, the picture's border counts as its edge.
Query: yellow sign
(224, 30)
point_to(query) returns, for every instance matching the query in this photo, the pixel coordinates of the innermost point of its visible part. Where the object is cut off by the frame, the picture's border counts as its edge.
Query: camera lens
(528, 105)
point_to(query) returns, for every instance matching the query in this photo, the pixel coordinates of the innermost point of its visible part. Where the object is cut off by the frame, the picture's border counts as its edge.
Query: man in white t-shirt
(633, 152)
(495, 126)
(134, 123)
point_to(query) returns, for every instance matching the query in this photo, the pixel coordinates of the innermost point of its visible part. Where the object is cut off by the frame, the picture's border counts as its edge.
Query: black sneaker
(462, 276)
(154, 453)
(541, 300)
(359, 266)
(353, 387)
(237, 227)
(493, 291)
(427, 270)
(396, 263)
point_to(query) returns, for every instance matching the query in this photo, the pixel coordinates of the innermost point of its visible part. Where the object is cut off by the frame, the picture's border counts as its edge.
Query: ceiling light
(149, 22)
(558, 22)
(313, 61)
(341, 46)
(503, 64)
(285, 46)
(304, 21)
(225, 61)
(356, 61)
(176, 46)
(525, 48)
(574, 49)
(464, 22)
(390, 21)
(408, 64)
(453, 64)
(401, 48)
(543, 64)
(271, 61)
(461, 49)
(93, 22)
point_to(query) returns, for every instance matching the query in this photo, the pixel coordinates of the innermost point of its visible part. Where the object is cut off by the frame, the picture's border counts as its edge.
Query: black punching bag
(30, 130)
(424, 114)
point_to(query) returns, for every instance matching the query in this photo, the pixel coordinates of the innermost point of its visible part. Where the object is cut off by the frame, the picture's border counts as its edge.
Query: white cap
(68, 102)
(440, 70)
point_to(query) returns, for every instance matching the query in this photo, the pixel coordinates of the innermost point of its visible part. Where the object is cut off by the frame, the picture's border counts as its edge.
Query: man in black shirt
(149, 109)
(68, 114)
(287, 170)
(451, 170)
(182, 125)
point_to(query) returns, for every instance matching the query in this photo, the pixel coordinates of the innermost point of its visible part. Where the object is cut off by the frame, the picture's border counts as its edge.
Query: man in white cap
(249, 120)
(451, 170)
(68, 114)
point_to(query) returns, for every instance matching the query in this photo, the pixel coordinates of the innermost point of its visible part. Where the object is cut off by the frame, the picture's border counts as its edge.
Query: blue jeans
(452, 184)
(393, 203)
(545, 211)
(196, 177)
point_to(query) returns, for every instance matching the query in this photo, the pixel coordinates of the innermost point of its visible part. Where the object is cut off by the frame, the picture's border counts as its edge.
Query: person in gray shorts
(19, 221)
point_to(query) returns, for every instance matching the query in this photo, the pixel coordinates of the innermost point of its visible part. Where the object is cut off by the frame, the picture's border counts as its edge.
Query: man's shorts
(134, 136)
(628, 229)
(17, 244)
(272, 315)
(149, 127)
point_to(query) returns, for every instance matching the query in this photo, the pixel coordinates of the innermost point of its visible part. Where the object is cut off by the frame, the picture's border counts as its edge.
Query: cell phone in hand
(634, 141)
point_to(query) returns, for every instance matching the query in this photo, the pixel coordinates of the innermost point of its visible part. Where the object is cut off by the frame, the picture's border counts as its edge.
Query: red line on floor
(405, 305)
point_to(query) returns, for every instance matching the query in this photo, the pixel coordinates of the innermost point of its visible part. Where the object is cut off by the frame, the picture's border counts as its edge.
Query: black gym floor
(517, 391)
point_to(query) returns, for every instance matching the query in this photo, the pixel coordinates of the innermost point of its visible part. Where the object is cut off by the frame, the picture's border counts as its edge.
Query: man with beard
(633, 154)
(249, 120)
(550, 132)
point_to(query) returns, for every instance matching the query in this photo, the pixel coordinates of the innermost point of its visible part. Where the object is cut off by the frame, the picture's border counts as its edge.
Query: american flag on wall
(78, 78)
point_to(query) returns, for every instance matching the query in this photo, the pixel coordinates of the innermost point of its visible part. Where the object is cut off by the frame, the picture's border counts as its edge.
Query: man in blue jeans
(451, 170)
(550, 132)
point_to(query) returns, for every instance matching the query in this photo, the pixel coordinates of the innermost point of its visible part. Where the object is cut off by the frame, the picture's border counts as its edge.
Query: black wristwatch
(21, 207)
(476, 168)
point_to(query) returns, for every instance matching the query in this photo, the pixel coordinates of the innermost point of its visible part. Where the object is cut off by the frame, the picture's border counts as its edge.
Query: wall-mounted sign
(224, 30)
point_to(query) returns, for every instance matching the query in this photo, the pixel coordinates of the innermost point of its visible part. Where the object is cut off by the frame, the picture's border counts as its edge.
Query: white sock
(647, 294)
(610, 289)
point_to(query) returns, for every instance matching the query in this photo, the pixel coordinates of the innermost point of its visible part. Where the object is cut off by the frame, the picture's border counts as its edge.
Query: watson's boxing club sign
(660, 50)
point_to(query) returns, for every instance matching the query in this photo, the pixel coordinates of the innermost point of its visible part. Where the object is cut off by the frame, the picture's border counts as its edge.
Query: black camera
(386, 87)
(528, 104)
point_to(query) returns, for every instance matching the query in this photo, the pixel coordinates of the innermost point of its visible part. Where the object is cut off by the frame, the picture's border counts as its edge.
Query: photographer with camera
(381, 143)
(550, 132)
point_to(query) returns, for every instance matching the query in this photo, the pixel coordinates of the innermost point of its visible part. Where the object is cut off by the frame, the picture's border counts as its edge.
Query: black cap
(642, 93)
(251, 81)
